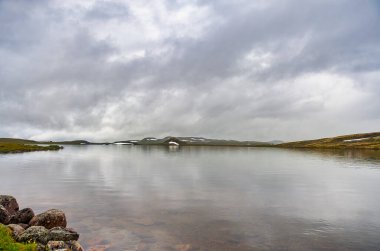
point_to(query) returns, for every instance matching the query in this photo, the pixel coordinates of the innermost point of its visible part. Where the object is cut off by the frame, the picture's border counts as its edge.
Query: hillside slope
(353, 141)
(17, 141)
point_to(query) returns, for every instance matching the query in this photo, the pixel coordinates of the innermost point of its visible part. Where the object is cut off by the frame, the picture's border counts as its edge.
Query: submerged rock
(184, 247)
(17, 230)
(63, 246)
(10, 203)
(4, 215)
(49, 219)
(75, 246)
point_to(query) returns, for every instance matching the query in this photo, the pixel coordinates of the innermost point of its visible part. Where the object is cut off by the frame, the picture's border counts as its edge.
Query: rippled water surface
(157, 198)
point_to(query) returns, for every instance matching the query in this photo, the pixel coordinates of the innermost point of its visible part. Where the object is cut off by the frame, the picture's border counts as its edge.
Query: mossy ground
(8, 244)
(354, 141)
(19, 148)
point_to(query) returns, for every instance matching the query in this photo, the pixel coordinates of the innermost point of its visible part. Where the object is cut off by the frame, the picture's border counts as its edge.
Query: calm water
(155, 198)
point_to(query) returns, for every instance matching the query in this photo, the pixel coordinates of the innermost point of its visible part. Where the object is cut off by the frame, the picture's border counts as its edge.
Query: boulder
(64, 246)
(42, 235)
(22, 216)
(57, 245)
(34, 234)
(17, 230)
(49, 219)
(62, 234)
(4, 215)
(10, 203)
(75, 246)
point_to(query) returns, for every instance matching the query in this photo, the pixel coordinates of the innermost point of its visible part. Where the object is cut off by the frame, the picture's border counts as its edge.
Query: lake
(204, 198)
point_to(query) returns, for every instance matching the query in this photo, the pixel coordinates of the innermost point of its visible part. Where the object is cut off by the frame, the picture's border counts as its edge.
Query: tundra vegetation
(353, 141)
(20, 148)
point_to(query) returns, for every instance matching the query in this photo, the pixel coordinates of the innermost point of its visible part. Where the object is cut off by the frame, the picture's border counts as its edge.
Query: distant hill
(363, 141)
(71, 142)
(17, 141)
(197, 141)
(276, 142)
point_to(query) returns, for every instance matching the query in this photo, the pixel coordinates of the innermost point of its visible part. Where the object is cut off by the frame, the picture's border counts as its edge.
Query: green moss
(8, 244)
(19, 148)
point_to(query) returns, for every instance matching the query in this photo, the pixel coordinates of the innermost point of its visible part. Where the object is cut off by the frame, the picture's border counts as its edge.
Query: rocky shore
(48, 229)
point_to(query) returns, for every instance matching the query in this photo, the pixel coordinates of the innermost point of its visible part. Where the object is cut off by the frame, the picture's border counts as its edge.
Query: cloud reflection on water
(212, 198)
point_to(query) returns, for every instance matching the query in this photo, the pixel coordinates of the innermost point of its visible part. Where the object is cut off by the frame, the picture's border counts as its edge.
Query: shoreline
(25, 230)
(366, 141)
(7, 148)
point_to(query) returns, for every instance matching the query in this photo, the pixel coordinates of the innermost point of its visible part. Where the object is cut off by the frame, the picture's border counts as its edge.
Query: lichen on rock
(34, 234)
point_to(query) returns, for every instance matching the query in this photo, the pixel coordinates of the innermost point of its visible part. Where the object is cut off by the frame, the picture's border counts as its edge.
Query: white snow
(172, 143)
(354, 140)
(197, 139)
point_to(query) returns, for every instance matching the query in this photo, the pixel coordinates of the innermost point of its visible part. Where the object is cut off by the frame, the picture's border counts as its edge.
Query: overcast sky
(233, 69)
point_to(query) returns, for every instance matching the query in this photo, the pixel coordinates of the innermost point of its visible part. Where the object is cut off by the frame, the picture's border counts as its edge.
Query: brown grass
(353, 141)
(19, 148)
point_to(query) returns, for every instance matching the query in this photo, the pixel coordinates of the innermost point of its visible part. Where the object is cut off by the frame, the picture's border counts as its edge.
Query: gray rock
(22, 216)
(34, 234)
(49, 219)
(17, 230)
(42, 235)
(4, 215)
(62, 234)
(10, 203)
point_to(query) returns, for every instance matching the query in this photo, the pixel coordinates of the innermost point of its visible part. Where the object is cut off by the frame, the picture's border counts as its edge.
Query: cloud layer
(259, 70)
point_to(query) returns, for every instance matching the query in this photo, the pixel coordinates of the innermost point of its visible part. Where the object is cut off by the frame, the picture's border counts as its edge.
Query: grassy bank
(8, 244)
(353, 141)
(19, 148)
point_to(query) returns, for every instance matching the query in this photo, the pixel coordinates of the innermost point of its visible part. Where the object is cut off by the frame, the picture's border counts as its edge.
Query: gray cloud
(105, 70)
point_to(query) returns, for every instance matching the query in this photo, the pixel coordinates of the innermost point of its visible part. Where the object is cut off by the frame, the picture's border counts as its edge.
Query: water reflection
(366, 156)
(206, 198)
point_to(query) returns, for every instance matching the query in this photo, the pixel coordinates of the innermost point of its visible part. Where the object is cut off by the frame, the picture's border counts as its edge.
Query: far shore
(20, 148)
(353, 141)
